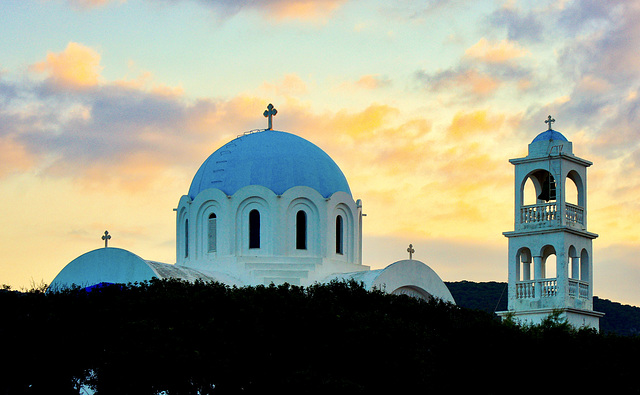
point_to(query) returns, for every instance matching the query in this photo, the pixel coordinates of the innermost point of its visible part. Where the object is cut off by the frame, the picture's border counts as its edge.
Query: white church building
(267, 207)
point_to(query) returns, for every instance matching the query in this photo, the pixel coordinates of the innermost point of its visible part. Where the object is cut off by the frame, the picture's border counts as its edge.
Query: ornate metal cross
(410, 250)
(270, 112)
(549, 121)
(106, 238)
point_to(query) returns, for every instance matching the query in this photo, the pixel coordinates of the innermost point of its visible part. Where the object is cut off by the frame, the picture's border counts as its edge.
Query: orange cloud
(290, 85)
(501, 52)
(480, 84)
(364, 123)
(372, 81)
(77, 67)
(92, 3)
(470, 123)
(14, 157)
(303, 9)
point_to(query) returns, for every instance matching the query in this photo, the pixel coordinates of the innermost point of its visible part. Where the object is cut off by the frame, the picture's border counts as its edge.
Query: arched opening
(186, 238)
(584, 266)
(339, 235)
(254, 229)
(523, 265)
(550, 267)
(549, 264)
(413, 291)
(574, 263)
(529, 193)
(570, 192)
(211, 233)
(577, 189)
(301, 230)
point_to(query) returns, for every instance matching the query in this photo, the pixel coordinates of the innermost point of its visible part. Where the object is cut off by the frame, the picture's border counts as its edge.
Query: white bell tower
(550, 249)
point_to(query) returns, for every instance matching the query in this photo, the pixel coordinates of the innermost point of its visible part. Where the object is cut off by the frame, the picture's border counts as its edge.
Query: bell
(548, 189)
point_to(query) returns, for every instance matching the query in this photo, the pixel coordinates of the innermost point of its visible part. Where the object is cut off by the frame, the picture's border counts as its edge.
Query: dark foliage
(491, 296)
(177, 338)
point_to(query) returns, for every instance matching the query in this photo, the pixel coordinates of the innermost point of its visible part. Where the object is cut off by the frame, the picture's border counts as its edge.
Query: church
(267, 207)
(271, 207)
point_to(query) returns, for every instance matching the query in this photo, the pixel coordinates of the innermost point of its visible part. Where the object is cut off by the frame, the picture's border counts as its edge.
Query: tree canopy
(172, 337)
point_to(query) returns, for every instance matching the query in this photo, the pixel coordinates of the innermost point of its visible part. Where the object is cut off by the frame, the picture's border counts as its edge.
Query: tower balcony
(544, 215)
(548, 287)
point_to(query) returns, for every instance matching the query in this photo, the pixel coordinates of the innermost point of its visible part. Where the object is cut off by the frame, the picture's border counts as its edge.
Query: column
(538, 275)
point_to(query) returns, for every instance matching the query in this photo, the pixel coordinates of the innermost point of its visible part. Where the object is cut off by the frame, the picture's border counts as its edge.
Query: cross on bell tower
(550, 249)
(270, 112)
(549, 121)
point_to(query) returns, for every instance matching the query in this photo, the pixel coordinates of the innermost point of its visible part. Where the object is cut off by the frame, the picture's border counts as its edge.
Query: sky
(109, 107)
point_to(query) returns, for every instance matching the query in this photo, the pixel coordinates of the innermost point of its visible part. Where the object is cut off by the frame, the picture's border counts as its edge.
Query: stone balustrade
(546, 214)
(574, 214)
(578, 289)
(549, 287)
(536, 213)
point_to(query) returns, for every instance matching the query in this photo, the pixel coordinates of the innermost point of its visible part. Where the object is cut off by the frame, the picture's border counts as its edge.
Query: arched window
(186, 238)
(254, 229)
(211, 234)
(301, 230)
(584, 266)
(339, 235)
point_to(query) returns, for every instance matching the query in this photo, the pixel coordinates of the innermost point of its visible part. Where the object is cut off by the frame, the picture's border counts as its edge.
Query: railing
(534, 213)
(578, 289)
(574, 214)
(527, 289)
(549, 287)
(547, 213)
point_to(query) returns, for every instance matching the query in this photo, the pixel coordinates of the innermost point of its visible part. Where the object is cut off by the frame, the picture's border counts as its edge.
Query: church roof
(549, 135)
(276, 160)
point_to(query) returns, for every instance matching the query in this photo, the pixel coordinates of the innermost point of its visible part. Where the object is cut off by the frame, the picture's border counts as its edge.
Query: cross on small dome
(410, 250)
(106, 237)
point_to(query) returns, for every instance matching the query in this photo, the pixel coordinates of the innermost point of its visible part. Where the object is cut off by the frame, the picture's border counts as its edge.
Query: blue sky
(108, 108)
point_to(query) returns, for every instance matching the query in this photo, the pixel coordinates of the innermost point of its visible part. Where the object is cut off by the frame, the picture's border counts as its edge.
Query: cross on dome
(549, 121)
(410, 250)
(270, 112)
(106, 238)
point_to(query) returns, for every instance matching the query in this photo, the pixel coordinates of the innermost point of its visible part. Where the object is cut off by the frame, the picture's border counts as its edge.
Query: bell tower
(550, 249)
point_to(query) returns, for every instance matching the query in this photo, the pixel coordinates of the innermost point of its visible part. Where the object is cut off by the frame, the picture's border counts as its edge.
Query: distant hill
(491, 296)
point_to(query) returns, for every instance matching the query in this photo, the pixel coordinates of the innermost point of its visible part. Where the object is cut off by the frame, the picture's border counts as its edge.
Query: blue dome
(276, 160)
(549, 135)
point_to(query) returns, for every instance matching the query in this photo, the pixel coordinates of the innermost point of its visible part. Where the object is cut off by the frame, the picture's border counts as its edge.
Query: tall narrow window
(254, 229)
(186, 238)
(211, 234)
(339, 235)
(301, 230)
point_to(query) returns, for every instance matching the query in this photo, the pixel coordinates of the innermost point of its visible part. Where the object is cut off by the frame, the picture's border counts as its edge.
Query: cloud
(465, 124)
(15, 157)
(77, 67)
(290, 85)
(86, 4)
(463, 81)
(503, 51)
(520, 25)
(302, 9)
(278, 9)
(372, 81)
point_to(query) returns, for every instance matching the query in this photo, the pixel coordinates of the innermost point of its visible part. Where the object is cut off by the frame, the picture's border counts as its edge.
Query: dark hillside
(491, 296)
